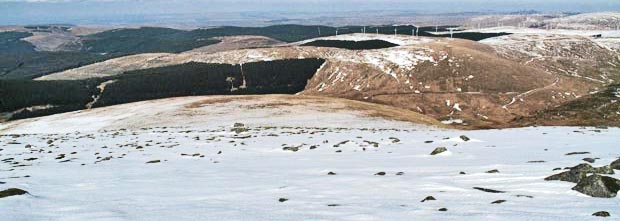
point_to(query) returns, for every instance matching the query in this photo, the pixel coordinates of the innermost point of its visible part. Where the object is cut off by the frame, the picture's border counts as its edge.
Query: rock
(332, 205)
(615, 165)
(493, 171)
(428, 141)
(394, 139)
(526, 196)
(154, 161)
(400, 173)
(331, 173)
(294, 149)
(488, 190)
(602, 214)
(282, 200)
(598, 186)
(380, 174)
(589, 160)
(464, 138)
(439, 150)
(577, 173)
(577, 153)
(462, 173)
(443, 210)
(239, 128)
(12, 192)
(428, 198)
(498, 201)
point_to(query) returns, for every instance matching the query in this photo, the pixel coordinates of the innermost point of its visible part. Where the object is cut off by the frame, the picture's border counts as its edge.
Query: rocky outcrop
(598, 186)
(579, 172)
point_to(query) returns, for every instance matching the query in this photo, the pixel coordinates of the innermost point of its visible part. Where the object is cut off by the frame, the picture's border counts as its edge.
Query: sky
(23, 12)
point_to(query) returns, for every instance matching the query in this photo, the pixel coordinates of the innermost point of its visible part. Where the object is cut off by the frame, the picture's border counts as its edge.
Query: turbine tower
(452, 31)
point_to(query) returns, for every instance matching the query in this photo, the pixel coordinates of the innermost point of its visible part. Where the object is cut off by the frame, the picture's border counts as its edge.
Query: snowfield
(186, 159)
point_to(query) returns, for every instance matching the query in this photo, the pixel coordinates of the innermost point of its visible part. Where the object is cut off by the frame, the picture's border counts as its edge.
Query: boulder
(598, 186)
(464, 138)
(12, 192)
(498, 202)
(439, 150)
(428, 198)
(488, 190)
(602, 214)
(589, 160)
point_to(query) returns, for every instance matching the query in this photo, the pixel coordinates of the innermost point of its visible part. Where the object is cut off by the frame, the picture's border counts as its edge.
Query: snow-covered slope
(190, 165)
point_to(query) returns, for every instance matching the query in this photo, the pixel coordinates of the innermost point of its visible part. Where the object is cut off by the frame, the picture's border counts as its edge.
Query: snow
(394, 39)
(246, 181)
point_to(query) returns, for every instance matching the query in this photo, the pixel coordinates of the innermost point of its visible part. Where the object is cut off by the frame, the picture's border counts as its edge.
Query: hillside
(487, 84)
(34, 51)
(275, 157)
(444, 78)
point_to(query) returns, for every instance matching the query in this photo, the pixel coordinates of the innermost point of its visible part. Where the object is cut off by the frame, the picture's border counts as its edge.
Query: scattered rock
(380, 174)
(493, 171)
(462, 173)
(331, 173)
(598, 186)
(332, 205)
(464, 138)
(400, 173)
(488, 190)
(577, 153)
(12, 192)
(536, 161)
(428, 141)
(443, 210)
(602, 214)
(282, 200)
(154, 161)
(428, 198)
(439, 150)
(589, 160)
(498, 201)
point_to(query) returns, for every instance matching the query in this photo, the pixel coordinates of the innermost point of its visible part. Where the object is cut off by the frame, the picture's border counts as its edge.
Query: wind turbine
(319, 30)
(377, 30)
(395, 31)
(452, 31)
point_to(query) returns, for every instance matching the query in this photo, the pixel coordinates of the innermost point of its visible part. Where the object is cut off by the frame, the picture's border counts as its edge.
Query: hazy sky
(74, 11)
